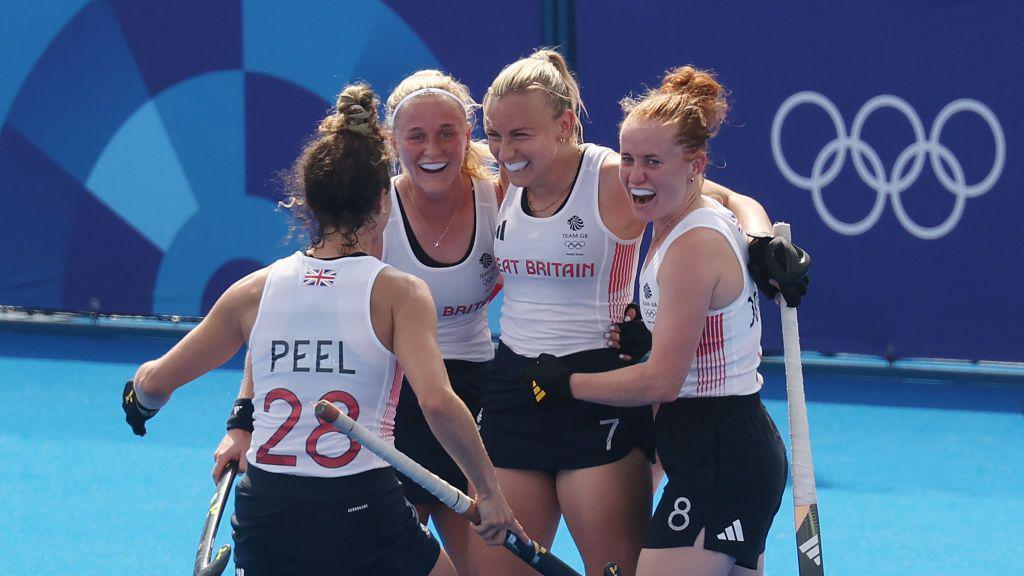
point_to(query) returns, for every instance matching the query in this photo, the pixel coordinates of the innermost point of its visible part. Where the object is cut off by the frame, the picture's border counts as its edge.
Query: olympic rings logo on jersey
(905, 171)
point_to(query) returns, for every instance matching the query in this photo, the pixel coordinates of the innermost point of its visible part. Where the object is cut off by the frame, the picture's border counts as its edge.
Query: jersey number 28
(263, 454)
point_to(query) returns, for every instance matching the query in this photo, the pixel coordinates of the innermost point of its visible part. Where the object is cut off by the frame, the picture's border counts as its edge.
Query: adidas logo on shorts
(538, 393)
(732, 533)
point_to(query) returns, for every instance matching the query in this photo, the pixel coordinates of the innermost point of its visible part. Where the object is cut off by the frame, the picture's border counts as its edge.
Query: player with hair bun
(444, 202)
(331, 323)
(725, 461)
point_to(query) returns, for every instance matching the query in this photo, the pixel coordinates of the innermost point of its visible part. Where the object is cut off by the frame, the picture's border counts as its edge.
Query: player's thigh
(607, 509)
(455, 534)
(443, 566)
(531, 495)
(741, 571)
(685, 561)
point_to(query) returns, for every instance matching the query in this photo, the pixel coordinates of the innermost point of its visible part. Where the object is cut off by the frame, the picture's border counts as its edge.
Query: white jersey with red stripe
(566, 276)
(727, 355)
(462, 290)
(312, 340)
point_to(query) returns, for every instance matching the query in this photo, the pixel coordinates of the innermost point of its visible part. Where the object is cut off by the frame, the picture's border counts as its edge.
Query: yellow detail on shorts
(538, 393)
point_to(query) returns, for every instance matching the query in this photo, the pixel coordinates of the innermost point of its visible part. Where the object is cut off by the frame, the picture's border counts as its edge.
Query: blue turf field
(914, 477)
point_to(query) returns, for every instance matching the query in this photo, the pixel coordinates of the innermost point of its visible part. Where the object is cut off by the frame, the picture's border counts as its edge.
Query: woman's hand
(232, 448)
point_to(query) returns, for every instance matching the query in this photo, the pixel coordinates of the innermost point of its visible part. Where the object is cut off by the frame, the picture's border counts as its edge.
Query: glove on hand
(778, 259)
(634, 337)
(547, 381)
(135, 414)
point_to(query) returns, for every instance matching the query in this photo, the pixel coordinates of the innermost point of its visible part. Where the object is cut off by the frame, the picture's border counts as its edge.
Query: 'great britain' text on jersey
(542, 268)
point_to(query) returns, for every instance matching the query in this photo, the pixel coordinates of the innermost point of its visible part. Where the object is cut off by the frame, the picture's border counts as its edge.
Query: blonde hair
(688, 98)
(544, 70)
(477, 162)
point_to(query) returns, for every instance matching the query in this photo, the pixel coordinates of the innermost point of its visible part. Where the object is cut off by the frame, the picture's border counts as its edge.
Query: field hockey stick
(532, 553)
(204, 566)
(805, 495)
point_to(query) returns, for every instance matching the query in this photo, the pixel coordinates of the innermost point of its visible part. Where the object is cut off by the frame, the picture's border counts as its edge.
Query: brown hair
(338, 181)
(477, 162)
(688, 98)
(545, 70)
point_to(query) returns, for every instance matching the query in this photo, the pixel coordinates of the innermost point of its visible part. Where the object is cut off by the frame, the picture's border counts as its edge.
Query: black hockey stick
(204, 565)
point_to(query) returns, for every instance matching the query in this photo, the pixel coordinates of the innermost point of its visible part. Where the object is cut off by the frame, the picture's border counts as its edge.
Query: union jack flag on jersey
(319, 277)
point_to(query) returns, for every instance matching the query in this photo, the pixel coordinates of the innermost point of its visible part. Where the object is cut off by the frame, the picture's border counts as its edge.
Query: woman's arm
(687, 280)
(699, 273)
(209, 345)
(415, 345)
(236, 441)
(752, 216)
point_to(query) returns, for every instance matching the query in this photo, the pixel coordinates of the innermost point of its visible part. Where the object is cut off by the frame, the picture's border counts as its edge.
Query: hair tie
(357, 119)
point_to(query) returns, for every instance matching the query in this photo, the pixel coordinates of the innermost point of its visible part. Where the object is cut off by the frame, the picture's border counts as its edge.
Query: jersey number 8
(263, 454)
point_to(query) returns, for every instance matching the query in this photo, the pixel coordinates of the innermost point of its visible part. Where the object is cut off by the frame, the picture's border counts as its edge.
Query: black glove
(135, 414)
(547, 381)
(775, 258)
(241, 415)
(634, 337)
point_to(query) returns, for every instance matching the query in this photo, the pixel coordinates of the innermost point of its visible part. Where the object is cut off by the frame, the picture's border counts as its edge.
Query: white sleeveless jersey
(727, 355)
(566, 276)
(461, 291)
(313, 340)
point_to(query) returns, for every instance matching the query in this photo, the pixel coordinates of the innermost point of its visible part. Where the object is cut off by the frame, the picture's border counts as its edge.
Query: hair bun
(687, 80)
(703, 89)
(356, 111)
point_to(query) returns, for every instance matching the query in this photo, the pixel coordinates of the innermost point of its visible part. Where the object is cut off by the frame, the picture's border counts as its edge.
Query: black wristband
(241, 415)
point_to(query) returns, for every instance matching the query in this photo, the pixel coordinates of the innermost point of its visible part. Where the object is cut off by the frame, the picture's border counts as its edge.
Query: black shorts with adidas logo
(519, 434)
(726, 467)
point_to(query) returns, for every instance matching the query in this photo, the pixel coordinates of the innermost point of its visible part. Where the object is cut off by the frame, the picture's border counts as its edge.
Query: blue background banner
(884, 289)
(140, 141)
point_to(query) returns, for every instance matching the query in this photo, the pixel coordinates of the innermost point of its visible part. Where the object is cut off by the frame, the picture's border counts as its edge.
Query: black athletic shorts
(726, 468)
(573, 435)
(359, 524)
(414, 438)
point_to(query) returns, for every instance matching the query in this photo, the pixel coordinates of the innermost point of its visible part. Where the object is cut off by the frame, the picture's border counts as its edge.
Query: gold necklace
(529, 203)
(535, 211)
(437, 239)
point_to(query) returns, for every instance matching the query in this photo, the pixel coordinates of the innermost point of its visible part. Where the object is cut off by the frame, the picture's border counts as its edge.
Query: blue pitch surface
(914, 477)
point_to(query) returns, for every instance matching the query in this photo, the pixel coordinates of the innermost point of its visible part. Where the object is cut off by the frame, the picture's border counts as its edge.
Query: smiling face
(524, 136)
(431, 135)
(655, 171)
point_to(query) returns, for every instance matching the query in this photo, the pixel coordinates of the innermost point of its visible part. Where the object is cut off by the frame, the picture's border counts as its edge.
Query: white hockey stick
(805, 495)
